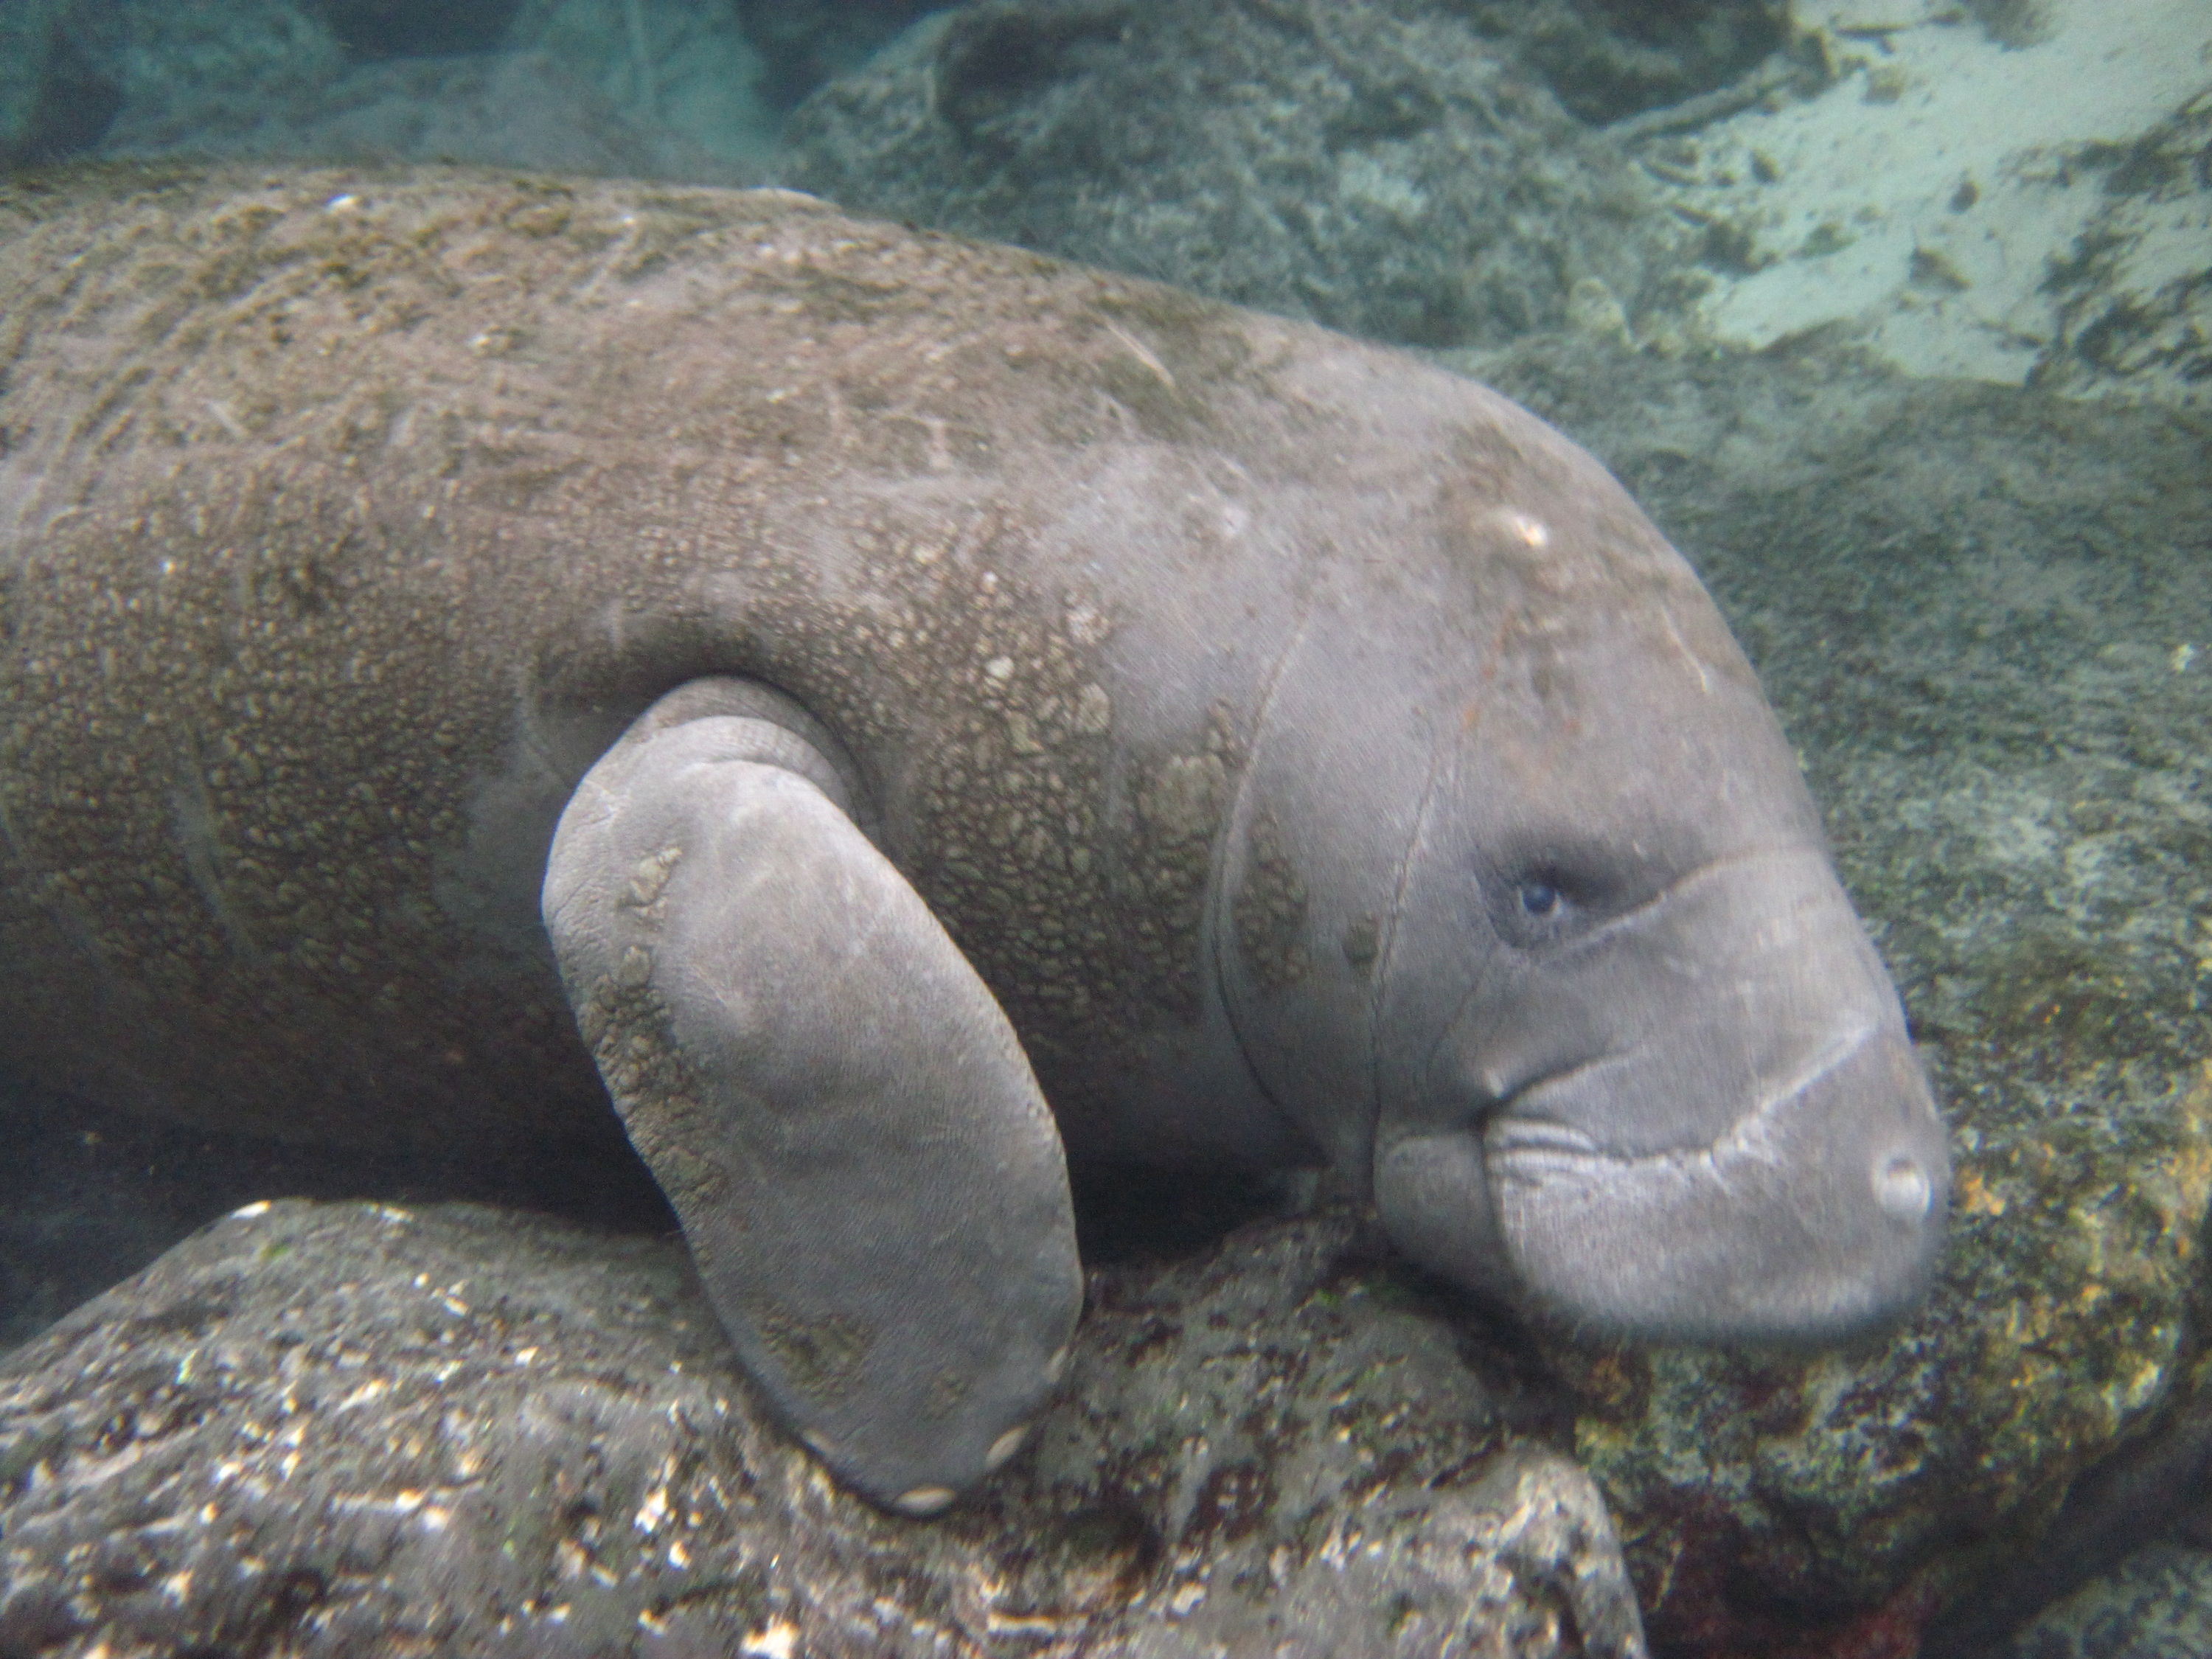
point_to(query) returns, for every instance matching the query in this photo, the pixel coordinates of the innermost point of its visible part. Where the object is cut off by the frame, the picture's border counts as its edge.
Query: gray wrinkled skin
(1299, 753)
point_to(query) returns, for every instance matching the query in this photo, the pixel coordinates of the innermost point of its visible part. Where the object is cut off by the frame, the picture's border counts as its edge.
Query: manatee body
(857, 686)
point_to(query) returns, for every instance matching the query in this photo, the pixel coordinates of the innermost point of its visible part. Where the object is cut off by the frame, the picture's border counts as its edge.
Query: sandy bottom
(1971, 207)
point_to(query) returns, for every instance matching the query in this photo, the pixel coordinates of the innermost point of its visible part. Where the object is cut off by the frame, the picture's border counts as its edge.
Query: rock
(58, 88)
(197, 77)
(1608, 59)
(2088, 1570)
(1982, 614)
(374, 29)
(2158, 1604)
(684, 73)
(804, 43)
(662, 88)
(2134, 291)
(1379, 167)
(346, 1428)
(523, 109)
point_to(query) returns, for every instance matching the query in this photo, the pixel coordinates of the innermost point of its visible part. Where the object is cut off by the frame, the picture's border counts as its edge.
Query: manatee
(898, 716)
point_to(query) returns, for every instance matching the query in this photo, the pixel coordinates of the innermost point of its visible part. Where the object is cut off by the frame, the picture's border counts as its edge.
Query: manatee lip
(1803, 1222)
(1517, 1134)
(1515, 1130)
(1508, 1125)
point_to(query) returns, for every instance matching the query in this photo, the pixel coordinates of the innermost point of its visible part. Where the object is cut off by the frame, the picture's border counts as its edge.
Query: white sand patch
(1928, 194)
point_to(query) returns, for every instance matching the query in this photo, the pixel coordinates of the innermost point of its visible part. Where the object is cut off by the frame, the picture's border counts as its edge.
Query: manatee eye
(1539, 897)
(1542, 898)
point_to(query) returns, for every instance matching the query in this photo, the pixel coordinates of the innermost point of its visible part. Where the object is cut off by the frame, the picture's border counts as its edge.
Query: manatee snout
(1815, 1216)
(1702, 1120)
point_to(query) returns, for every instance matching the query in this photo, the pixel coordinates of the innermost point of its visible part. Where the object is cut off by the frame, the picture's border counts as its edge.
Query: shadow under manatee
(89, 1195)
(1129, 1214)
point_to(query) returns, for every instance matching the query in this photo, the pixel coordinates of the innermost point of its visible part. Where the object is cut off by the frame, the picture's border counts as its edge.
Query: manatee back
(345, 519)
(249, 679)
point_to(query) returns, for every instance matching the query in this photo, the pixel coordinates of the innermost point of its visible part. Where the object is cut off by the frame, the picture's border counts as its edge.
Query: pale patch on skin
(1533, 531)
(1004, 1447)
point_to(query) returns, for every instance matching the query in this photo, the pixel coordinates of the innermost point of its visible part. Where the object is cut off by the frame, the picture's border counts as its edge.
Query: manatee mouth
(1517, 1122)
(1537, 1117)
(1815, 1214)
(1699, 1121)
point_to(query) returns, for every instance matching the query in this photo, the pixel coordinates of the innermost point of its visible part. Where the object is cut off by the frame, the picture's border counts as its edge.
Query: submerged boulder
(58, 92)
(343, 1428)
(1382, 167)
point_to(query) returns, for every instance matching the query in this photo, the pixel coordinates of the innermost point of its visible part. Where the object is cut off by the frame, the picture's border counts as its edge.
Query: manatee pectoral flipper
(870, 1180)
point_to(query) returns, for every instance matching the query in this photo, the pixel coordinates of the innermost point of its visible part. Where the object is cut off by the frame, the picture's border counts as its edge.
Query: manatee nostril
(1901, 1187)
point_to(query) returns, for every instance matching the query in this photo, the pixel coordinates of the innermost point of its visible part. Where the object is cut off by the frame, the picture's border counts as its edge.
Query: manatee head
(1528, 916)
